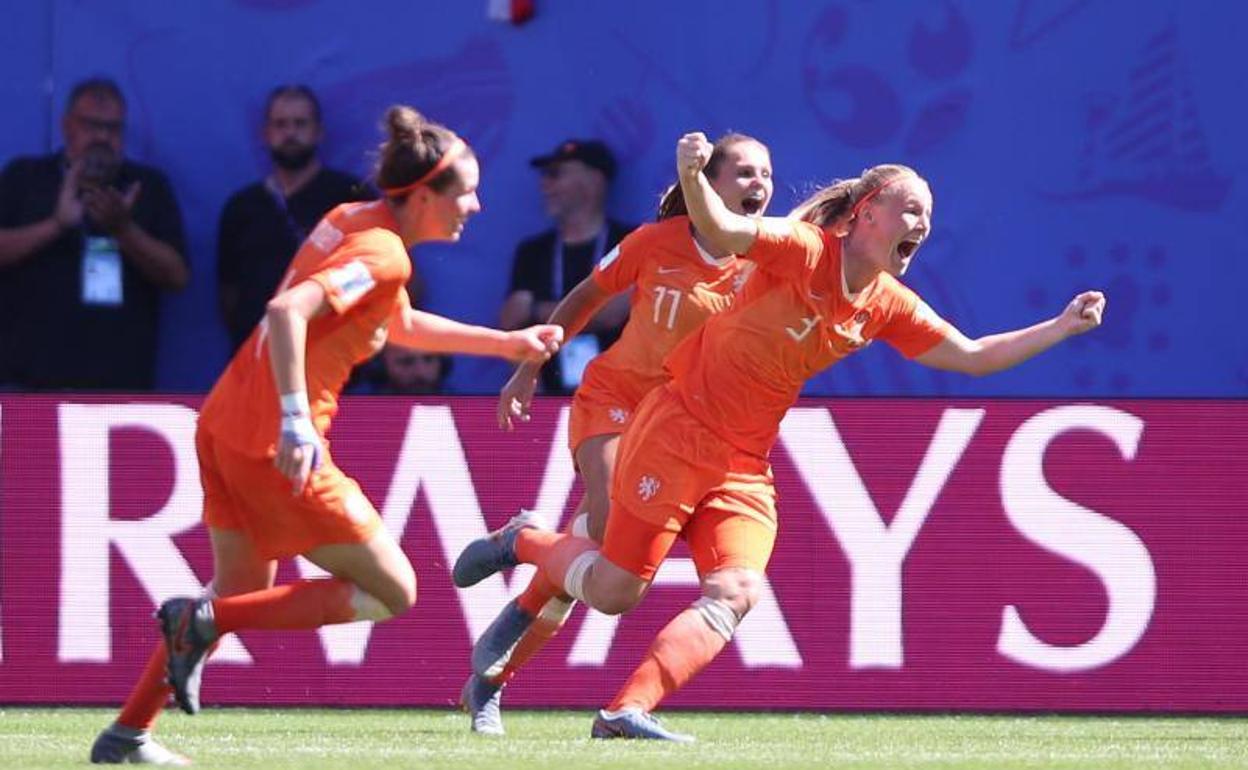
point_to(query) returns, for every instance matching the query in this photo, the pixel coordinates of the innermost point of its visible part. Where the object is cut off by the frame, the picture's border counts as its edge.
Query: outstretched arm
(997, 352)
(573, 313)
(413, 328)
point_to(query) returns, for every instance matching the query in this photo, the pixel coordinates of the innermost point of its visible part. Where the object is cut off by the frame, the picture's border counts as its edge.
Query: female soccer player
(271, 488)
(694, 460)
(678, 280)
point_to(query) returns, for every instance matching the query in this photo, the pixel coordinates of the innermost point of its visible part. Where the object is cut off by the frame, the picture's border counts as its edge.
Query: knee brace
(368, 607)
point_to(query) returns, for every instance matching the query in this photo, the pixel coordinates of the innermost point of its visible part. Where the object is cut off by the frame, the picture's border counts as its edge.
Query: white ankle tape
(718, 615)
(580, 525)
(556, 610)
(574, 580)
(368, 607)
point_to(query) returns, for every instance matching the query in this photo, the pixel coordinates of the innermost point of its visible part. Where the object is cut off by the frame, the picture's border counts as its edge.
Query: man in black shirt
(88, 241)
(263, 224)
(574, 182)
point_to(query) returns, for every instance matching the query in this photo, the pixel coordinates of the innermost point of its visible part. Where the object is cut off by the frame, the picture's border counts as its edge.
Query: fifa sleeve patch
(351, 281)
(609, 258)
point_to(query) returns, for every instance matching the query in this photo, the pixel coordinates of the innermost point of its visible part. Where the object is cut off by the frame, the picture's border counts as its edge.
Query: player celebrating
(693, 463)
(271, 488)
(678, 279)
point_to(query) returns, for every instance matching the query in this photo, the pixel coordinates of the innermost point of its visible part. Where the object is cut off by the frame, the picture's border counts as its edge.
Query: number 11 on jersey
(661, 292)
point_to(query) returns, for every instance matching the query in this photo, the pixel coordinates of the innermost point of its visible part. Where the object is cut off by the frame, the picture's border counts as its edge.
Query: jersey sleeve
(787, 248)
(913, 328)
(363, 264)
(620, 267)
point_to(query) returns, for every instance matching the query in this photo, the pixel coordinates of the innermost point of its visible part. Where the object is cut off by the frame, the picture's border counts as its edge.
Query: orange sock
(150, 693)
(535, 600)
(678, 653)
(539, 592)
(552, 553)
(302, 604)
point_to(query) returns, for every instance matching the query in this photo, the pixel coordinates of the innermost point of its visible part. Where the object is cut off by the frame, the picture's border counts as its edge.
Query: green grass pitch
(360, 739)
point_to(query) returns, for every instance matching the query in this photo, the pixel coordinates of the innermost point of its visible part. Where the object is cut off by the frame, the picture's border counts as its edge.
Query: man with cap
(574, 181)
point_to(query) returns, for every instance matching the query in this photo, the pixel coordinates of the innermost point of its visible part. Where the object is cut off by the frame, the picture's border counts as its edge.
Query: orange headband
(863, 200)
(454, 151)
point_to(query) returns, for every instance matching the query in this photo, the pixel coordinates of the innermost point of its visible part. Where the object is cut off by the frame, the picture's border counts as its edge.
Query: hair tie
(454, 151)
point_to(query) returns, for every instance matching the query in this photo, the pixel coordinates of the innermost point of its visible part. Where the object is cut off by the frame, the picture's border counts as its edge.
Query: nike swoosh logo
(666, 270)
(815, 297)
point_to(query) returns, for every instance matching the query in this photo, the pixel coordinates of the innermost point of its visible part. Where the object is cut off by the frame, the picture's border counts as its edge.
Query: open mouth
(751, 206)
(906, 249)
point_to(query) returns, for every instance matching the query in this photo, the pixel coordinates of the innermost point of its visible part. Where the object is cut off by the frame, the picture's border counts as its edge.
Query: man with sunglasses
(575, 178)
(88, 241)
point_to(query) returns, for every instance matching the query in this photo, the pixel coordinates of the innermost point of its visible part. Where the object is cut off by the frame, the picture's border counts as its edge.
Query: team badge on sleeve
(325, 237)
(351, 281)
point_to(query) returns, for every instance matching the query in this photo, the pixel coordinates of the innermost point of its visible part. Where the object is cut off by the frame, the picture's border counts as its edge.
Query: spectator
(88, 241)
(410, 372)
(574, 182)
(263, 224)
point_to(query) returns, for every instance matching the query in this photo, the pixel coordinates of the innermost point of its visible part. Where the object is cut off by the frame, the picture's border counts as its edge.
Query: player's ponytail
(416, 152)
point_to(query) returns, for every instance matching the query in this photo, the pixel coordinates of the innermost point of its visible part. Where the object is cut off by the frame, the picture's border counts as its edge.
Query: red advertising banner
(986, 554)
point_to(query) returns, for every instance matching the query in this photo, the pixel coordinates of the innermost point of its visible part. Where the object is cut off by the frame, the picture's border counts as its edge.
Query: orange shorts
(674, 476)
(598, 409)
(717, 539)
(248, 494)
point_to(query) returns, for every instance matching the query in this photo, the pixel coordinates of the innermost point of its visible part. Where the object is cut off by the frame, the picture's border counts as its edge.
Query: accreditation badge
(101, 272)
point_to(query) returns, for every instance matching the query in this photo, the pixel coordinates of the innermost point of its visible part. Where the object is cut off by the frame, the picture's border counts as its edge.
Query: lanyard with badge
(103, 276)
(279, 200)
(577, 352)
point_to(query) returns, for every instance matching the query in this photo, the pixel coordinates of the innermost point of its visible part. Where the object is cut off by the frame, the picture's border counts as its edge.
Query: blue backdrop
(1070, 144)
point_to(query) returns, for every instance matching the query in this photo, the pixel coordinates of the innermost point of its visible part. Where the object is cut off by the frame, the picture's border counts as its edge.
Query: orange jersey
(744, 369)
(677, 286)
(355, 254)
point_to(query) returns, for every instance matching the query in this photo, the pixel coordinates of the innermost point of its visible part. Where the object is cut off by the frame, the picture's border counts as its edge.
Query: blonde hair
(841, 199)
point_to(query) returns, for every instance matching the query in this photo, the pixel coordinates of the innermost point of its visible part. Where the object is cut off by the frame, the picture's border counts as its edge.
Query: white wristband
(295, 403)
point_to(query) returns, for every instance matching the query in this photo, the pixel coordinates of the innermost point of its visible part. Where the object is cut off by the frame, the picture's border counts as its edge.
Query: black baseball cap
(591, 152)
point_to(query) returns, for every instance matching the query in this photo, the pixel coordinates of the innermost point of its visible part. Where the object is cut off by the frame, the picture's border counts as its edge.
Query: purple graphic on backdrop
(857, 104)
(1137, 281)
(944, 51)
(852, 102)
(470, 92)
(1150, 143)
(1036, 19)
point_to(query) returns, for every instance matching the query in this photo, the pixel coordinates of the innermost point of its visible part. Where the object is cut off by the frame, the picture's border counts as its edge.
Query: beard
(100, 165)
(293, 157)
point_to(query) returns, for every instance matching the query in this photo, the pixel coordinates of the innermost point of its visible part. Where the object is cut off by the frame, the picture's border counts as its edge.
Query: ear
(841, 227)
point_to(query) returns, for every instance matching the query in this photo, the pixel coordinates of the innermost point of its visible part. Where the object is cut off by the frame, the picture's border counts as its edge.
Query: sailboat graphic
(1152, 146)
